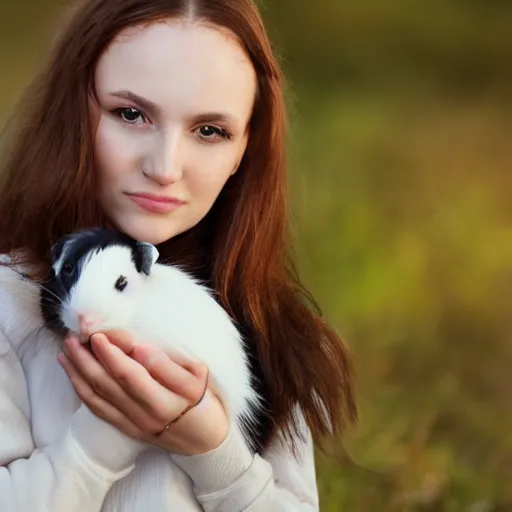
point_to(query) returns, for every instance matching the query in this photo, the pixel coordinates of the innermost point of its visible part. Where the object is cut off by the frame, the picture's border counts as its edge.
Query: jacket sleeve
(231, 479)
(74, 473)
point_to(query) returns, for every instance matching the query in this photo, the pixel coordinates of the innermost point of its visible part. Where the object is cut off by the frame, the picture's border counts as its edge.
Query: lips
(156, 204)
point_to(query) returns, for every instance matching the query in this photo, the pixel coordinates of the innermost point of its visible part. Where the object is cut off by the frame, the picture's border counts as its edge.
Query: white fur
(168, 308)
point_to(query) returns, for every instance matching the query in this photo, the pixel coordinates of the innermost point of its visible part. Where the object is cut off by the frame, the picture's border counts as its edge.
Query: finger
(121, 339)
(93, 372)
(160, 402)
(170, 374)
(97, 404)
(125, 341)
(70, 338)
(188, 362)
(105, 385)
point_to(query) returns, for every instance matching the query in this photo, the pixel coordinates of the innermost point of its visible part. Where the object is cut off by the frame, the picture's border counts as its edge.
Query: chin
(152, 231)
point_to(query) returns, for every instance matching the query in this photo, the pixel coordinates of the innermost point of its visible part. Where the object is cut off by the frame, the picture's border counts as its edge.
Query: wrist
(219, 468)
(202, 429)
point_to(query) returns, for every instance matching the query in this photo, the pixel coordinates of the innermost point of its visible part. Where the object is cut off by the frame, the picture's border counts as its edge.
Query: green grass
(405, 240)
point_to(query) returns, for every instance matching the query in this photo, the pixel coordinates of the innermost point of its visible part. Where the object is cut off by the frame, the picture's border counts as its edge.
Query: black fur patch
(261, 436)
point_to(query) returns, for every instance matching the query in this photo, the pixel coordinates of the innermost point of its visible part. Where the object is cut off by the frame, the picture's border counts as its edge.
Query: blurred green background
(401, 171)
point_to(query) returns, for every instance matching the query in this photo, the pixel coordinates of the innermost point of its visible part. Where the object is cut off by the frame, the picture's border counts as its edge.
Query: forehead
(181, 66)
(112, 260)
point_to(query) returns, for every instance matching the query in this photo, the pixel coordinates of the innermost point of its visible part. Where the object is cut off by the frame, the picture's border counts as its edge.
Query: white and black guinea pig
(101, 279)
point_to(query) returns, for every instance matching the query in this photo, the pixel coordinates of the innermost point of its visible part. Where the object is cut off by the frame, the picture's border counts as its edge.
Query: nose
(85, 324)
(165, 165)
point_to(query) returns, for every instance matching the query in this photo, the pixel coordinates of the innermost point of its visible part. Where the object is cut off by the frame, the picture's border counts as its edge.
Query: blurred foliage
(401, 156)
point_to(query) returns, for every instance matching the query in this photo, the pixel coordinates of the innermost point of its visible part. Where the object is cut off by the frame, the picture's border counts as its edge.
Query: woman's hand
(140, 389)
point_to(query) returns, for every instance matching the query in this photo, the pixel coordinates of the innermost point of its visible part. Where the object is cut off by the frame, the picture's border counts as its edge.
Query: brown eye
(208, 131)
(130, 115)
(212, 133)
(121, 283)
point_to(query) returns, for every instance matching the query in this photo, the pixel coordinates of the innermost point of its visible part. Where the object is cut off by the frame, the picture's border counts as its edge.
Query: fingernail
(99, 341)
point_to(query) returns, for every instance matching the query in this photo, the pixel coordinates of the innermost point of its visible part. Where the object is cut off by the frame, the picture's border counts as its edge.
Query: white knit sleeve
(73, 473)
(230, 479)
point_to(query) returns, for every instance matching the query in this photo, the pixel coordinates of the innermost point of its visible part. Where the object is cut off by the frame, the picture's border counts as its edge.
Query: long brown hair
(242, 247)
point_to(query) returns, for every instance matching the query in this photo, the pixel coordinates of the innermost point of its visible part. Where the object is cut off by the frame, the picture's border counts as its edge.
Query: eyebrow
(141, 102)
(152, 109)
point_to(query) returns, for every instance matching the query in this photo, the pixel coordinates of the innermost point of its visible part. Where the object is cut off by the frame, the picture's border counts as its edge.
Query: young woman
(165, 120)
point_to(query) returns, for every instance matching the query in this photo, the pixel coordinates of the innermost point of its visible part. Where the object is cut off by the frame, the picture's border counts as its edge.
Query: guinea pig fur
(101, 279)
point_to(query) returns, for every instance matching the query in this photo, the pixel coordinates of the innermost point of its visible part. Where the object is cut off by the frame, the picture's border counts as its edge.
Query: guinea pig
(101, 279)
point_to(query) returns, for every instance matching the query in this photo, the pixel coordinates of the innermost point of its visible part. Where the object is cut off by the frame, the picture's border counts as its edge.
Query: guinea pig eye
(67, 269)
(121, 283)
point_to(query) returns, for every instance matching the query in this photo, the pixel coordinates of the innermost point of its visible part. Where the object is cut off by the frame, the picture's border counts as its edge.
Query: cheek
(206, 183)
(114, 153)
(208, 176)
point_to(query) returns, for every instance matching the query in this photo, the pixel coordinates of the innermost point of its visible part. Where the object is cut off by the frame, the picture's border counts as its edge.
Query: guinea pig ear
(57, 248)
(146, 256)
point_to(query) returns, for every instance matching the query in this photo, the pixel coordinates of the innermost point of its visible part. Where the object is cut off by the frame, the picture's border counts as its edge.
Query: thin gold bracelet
(172, 422)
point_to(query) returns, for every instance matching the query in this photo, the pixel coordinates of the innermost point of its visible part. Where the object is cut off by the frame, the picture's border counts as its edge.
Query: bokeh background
(401, 154)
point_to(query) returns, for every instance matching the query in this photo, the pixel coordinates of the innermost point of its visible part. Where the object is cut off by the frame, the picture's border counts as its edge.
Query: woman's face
(174, 103)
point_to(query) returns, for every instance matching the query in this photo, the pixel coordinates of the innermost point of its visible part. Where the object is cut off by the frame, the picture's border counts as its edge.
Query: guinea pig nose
(85, 324)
